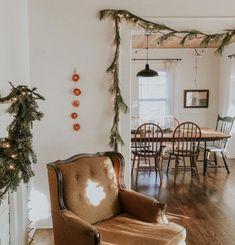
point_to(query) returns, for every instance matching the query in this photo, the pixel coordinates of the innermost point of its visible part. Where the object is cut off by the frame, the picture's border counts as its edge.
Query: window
(153, 99)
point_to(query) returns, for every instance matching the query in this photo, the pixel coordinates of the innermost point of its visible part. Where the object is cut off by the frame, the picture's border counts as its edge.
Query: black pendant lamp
(147, 72)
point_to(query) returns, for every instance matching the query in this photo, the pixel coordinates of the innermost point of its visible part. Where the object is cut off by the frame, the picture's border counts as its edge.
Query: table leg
(205, 159)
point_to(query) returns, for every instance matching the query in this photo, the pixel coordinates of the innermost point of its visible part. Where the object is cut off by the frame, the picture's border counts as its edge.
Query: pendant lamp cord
(196, 55)
(147, 48)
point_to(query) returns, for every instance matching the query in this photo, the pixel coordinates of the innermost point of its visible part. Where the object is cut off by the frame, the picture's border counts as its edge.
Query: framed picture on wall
(196, 98)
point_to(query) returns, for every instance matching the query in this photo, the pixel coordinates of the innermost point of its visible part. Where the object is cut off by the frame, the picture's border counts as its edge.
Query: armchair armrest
(82, 230)
(143, 207)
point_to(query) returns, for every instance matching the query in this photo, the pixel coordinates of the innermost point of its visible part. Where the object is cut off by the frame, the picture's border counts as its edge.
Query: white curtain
(170, 67)
(231, 97)
(230, 108)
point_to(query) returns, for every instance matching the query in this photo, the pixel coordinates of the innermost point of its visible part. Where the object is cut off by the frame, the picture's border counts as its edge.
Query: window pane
(150, 111)
(153, 87)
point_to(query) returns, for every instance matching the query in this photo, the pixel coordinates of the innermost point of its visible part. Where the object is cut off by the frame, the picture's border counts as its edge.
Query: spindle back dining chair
(223, 125)
(148, 144)
(185, 143)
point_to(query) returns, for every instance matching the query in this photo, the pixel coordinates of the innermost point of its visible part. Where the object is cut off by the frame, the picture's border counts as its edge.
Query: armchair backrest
(87, 185)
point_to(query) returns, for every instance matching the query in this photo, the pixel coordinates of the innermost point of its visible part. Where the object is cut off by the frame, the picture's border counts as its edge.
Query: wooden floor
(43, 237)
(205, 208)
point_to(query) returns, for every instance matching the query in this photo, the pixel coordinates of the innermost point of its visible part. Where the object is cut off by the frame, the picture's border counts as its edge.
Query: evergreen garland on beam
(165, 33)
(16, 152)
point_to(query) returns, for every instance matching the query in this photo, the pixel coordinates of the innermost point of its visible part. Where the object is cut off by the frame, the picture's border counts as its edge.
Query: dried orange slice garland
(75, 103)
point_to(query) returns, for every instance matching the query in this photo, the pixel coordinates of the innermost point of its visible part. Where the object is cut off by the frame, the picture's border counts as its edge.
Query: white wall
(14, 67)
(14, 64)
(68, 34)
(184, 78)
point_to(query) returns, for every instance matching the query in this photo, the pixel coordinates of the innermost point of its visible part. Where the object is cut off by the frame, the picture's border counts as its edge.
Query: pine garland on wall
(165, 33)
(16, 152)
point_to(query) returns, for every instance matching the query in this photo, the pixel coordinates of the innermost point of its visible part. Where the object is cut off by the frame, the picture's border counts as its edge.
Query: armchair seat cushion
(127, 230)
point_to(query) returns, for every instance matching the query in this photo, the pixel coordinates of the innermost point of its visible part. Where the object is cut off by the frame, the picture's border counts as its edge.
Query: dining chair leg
(176, 168)
(208, 157)
(184, 164)
(158, 162)
(149, 164)
(168, 164)
(198, 155)
(205, 162)
(137, 170)
(195, 166)
(160, 159)
(156, 166)
(145, 160)
(215, 158)
(225, 162)
(191, 166)
(133, 164)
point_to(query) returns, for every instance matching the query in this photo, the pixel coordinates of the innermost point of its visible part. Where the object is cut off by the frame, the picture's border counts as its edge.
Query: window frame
(166, 99)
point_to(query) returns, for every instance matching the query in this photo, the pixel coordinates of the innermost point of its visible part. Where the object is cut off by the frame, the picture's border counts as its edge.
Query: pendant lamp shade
(147, 72)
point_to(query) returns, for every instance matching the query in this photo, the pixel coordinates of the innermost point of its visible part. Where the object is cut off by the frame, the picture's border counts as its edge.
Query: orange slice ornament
(74, 115)
(75, 77)
(76, 126)
(76, 103)
(77, 91)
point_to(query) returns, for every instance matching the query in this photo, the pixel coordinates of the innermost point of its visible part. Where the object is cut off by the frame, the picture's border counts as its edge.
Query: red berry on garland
(75, 77)
(76, 103)
(76, 127)
(74, 115)
(77, 91)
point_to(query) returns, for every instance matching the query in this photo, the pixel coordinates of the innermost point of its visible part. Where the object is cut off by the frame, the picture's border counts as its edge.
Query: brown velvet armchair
(91, 205)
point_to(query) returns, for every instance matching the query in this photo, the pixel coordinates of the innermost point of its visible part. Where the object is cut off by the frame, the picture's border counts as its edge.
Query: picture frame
(196, 98)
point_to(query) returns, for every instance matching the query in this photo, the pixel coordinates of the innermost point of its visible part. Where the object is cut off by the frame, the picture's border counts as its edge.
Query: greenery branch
(16, 152)
(165, 32)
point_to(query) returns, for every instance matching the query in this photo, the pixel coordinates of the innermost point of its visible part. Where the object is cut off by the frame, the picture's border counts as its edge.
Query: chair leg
(197, 155)
(149, 164)
(184, 164)
(191, 166)
(225, 162)
(145, 160)
(215, 158)
(133, 165)
(137, 170)
(158, 167)
(195, 166)
(155, 163)
(168, 164)
(176, 168)
(161, 162)
(208, 156)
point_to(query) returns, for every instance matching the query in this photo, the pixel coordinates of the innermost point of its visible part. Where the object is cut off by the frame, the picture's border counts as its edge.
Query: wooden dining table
(207, 135)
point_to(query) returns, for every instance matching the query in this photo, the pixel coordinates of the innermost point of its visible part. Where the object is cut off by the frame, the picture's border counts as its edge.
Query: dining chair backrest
(168, 121)
(224, 125)
(186, 139)
(148, 140)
